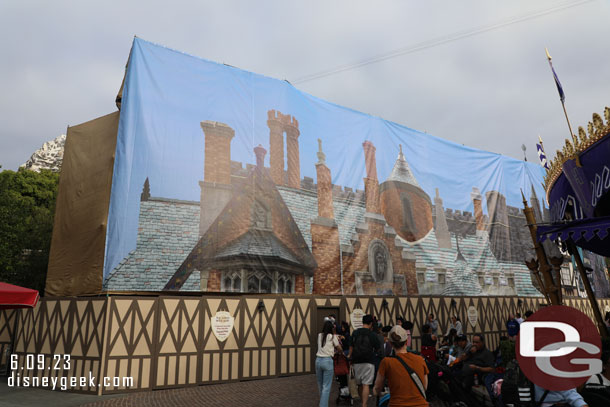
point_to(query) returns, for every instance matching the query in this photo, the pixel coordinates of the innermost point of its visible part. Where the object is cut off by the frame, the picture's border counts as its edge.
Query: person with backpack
(363, 345)
(597, 389)
(512, 326)
(406, 373)
(328, 343)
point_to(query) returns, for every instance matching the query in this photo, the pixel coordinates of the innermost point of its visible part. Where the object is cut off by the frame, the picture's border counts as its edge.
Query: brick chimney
(216, 184)
(371, 184)
(260, 152)
(478, 208)
(325, 235)
(217, 160)
(276, 146)
(325, 194)
(292, 149)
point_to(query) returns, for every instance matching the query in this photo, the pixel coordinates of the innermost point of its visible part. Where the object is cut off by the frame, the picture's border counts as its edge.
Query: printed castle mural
(258, 229)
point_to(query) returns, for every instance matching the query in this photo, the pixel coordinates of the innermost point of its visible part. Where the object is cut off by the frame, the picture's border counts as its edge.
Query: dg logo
(559, 348)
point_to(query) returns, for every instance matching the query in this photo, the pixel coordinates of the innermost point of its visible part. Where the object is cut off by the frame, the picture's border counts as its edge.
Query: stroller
(342, 371)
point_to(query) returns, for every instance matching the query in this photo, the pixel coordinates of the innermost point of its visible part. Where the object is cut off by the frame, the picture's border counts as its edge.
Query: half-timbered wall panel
(220, 359)
(178, 341)
(169, 341)
(296, 335)
(7, 326)
(131, 346)
(58, 327)
(260, 337)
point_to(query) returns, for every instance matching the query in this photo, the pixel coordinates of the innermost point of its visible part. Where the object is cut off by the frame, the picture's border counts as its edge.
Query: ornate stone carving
(380, 262)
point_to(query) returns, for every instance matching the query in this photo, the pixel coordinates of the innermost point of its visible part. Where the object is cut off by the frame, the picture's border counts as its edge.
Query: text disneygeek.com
(28, 375)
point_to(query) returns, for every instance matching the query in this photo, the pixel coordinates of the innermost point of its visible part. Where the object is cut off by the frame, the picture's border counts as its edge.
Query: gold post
(568, 120)
(583, 274)
(549, 288)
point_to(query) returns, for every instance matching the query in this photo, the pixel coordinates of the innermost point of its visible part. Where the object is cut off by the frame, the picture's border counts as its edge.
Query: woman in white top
(325, 369)
(455, 324)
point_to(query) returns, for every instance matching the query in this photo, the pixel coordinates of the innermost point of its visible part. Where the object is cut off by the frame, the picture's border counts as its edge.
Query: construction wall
(167, 342)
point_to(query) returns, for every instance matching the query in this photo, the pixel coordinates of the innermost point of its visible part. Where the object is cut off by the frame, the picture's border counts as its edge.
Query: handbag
(340, 363)
(351, 383)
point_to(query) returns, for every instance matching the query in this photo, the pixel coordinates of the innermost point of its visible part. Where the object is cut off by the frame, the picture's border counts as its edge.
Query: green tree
(27, 208)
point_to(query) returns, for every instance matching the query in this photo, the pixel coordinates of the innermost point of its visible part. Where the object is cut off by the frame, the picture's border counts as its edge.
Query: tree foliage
(27, 208)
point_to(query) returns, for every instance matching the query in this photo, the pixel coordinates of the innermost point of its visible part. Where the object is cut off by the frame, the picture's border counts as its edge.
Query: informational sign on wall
(222, 325)
(356, 318)
(473, 315)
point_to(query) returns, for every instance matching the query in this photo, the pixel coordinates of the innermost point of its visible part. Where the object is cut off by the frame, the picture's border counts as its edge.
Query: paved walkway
(294, 391)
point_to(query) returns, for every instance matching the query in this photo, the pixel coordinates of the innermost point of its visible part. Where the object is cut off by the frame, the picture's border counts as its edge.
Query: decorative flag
(541, 154)
(562, 96)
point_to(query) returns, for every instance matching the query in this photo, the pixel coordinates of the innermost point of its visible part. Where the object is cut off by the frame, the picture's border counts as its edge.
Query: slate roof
(402, 172)
(257, 243)
(463, 280)
(303, 206)
(167, 231)
(478, 255)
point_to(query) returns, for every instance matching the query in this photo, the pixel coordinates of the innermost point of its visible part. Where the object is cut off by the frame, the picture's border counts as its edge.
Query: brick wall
(325, 196)
(325, 249)
(299, 284)
(214, 281)
(292, 149)
(217, 163)
(359, 261)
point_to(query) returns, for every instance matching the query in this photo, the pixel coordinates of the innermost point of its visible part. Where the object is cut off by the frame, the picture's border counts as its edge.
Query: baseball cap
(461, 338)
(401, 332)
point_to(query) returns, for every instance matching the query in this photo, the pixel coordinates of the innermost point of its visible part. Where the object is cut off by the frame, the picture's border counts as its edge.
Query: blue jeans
(325, 370)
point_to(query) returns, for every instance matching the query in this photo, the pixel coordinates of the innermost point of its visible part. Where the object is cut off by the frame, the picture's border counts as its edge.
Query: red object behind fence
(13, 296)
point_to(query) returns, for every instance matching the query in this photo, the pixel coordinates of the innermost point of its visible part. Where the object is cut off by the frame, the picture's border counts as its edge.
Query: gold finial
(582, 134)
(590, 129)
(607, 115)
(598, 123)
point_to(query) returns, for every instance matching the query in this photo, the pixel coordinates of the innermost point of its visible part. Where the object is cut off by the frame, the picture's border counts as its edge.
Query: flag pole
(568, 120)
(561, 94)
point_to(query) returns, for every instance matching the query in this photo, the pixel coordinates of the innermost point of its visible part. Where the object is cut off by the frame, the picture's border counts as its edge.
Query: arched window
(231, 281)
(280, 286)
(408, 222)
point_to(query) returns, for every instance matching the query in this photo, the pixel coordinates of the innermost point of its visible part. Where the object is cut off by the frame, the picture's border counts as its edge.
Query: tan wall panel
(136, 372)
(146, 368)
(182, 369)
(291, 360)
(193, 369)
(308, 366)
(234, 366)
(171, 370)
(246, 364)
(205, 374)
(300, 355)
(264, 367)
(284, 362)
(110, 369)
(161, 362)
(256, 368)
(225, 366)
(215, 360)
(272, 362)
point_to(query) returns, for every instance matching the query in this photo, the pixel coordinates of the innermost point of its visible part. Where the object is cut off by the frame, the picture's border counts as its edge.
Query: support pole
(550, 289)
(585, 280)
